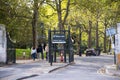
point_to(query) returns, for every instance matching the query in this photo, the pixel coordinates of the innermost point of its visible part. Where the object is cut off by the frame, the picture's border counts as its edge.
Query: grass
(19, 53)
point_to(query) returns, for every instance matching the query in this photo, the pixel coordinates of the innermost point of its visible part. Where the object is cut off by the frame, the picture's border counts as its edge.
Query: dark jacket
(39, 49)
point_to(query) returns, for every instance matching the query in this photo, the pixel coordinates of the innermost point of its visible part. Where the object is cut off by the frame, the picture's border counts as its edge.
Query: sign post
(60, 41)
(111, 32)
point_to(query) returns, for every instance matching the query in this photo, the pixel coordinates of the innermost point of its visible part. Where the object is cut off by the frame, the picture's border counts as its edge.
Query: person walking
(46, 50)
(40, 50)
(33, 53)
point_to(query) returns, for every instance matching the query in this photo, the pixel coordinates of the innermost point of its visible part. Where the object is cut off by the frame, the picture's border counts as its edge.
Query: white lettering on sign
(58, 38)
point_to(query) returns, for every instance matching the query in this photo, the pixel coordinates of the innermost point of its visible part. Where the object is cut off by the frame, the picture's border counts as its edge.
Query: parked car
(90, 52)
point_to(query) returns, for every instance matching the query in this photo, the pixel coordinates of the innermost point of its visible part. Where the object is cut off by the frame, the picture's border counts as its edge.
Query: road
(85, 68)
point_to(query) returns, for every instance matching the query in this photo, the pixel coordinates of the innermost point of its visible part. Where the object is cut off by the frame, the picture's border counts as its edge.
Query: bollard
(118, 61)
(51, 59)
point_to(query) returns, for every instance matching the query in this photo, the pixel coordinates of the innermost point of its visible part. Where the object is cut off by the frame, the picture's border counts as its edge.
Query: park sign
(110, 31)
(58, 38)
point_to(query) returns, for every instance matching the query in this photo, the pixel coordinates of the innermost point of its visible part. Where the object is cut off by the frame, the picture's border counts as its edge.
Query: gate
(60, 41)
(11, 52)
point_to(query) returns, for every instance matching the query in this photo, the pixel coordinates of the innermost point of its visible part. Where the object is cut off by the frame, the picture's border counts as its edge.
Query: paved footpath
(110, 69)
(28, 68)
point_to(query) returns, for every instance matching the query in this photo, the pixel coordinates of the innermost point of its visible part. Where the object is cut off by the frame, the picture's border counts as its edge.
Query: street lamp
(42, 27)
(41, 31)
(80, 39)
(111, 32)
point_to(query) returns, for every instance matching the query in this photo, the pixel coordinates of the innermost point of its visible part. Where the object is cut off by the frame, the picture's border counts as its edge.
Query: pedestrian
(40, 50)
(24, 54)
(33, 53)
(46, 50)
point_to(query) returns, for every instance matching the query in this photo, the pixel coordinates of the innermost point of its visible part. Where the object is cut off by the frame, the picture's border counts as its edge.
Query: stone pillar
(3, 44)
(117, 45)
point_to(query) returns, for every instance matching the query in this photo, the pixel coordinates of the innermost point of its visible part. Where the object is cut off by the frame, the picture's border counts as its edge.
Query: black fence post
(49, 39)
(64, 53)
(51, 59)
(54, 47)
(69, 42)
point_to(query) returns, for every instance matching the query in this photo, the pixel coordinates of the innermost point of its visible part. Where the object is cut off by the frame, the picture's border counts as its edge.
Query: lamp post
(80, 38)
(42, 27)
(111, 32)
(42, 44)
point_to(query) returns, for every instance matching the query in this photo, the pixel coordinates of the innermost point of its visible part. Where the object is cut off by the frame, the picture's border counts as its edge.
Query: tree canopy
(23, 19)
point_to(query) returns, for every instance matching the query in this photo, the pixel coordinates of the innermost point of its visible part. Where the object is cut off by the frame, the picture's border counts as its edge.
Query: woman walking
(33, 53)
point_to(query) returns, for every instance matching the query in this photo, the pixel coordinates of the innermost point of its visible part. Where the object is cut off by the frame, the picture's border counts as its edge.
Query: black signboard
(58, 38)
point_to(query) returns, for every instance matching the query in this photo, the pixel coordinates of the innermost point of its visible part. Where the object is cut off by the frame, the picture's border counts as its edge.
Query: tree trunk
(34, 23)
(58, 7)
(80, 41)
(105, 38)
(89, 34)
(59, 12)
(109, 46)
(97, 38)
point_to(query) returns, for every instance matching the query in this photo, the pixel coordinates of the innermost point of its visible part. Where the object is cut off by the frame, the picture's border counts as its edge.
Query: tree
(62, 12)
(34, 22)
(22, 17)
(16, 15)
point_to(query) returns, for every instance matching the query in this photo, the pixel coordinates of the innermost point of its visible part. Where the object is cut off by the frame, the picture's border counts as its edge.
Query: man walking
(40, 50)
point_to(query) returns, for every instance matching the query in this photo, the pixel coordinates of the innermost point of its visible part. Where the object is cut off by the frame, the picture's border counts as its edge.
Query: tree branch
(51, 5)
(67, 10)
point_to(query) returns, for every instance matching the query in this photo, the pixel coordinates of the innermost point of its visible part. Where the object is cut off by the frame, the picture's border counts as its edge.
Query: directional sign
(110, 31)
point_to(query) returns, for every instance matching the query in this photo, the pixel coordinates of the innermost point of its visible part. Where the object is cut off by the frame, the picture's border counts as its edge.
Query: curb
(61, 67)
(18, 63)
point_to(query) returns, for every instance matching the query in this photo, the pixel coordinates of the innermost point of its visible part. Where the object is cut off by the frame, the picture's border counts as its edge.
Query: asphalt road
(85, 68)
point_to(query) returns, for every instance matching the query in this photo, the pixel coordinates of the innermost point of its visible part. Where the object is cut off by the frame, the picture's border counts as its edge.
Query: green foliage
(17, 16)
(19, 53)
